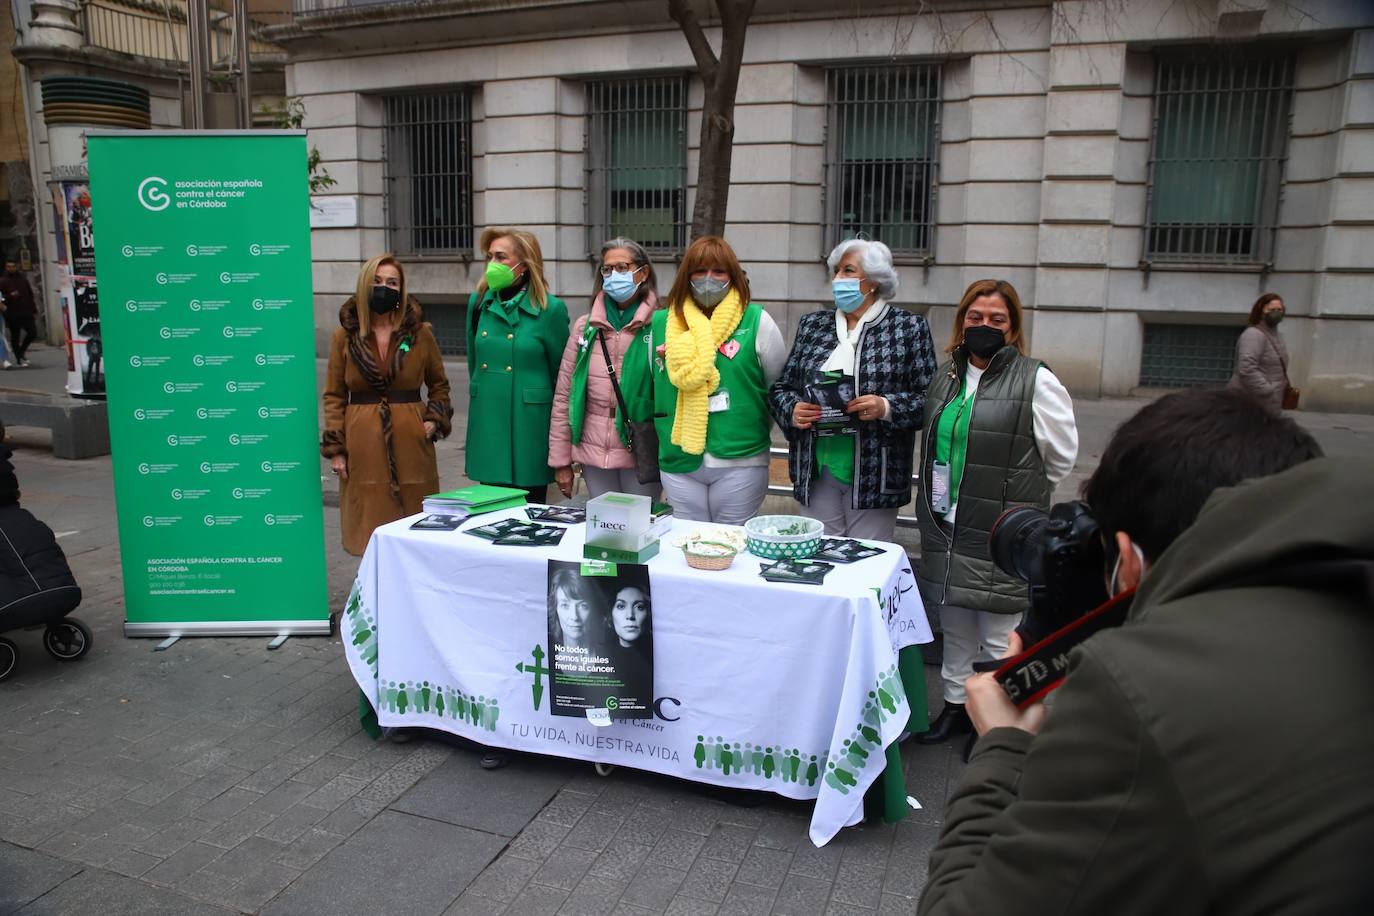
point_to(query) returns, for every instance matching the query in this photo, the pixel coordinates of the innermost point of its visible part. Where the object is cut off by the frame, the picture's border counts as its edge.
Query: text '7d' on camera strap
(1041, 668)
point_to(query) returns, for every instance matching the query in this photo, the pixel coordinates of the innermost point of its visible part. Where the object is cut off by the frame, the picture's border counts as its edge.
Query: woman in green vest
(999, 432)
(516, 332)
(716, 353)
(608, 349)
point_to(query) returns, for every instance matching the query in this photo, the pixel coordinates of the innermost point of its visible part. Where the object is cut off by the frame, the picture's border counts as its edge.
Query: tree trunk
(720, 79)
(717, 146)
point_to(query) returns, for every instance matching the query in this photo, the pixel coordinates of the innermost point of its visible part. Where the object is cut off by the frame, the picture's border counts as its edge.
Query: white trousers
(832, 505)
(730, 496)
(617, 480)
(971, 636)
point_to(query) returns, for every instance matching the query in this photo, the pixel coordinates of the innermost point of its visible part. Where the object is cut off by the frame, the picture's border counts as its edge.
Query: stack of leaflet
(474, 500)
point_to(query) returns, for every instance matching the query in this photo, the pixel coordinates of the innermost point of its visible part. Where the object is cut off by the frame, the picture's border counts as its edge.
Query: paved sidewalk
(218, 776)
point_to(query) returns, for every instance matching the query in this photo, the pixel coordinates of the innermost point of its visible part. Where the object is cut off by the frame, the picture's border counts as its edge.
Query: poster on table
(208, 341)
(601, 640)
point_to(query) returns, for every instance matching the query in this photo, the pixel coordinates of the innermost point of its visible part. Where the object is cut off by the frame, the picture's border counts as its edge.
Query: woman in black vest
(983, 451)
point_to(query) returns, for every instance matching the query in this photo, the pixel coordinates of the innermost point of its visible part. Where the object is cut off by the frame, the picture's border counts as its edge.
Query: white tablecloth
(788, 688)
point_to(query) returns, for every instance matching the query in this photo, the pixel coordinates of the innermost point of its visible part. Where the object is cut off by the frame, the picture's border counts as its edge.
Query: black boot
(952, 720)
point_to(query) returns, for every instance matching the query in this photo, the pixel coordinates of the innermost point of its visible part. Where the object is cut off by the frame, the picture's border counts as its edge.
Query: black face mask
(983, 340)
(384, 299)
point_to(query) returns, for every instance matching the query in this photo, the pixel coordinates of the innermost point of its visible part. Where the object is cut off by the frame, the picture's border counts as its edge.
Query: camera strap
(1041, 668)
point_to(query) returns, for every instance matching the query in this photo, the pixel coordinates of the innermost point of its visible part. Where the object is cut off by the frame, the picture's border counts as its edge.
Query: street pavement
(219, 777)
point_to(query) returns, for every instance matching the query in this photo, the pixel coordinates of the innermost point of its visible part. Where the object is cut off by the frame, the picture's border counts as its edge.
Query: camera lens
(1016, 541)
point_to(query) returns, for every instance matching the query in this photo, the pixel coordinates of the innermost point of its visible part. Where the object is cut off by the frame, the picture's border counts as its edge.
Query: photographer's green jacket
(1214, 755)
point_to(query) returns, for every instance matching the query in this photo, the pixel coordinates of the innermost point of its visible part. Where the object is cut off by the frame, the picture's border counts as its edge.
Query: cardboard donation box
(623, 528)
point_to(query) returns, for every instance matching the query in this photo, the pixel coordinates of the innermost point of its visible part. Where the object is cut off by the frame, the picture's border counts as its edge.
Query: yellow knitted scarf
(689, 353)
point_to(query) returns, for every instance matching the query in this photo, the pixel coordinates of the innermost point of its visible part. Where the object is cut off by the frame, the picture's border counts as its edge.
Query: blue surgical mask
(620, 285)
(848, 296)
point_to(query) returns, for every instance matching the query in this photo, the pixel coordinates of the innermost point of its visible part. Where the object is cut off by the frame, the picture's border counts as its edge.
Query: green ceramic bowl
(775, 537)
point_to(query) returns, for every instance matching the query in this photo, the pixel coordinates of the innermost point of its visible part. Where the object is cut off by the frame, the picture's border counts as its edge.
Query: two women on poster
(601, 640)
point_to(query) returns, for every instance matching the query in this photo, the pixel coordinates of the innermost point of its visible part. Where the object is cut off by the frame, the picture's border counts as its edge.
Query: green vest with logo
(739, 432)
(1002, 468)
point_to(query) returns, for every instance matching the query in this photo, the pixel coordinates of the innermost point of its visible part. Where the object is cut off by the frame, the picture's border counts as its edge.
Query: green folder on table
(474, 500)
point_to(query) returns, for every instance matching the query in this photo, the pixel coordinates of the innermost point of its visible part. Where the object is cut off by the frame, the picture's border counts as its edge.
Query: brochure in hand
(438, 523)
(563, 515)
(845, 550)
(832, 391)
(801, 572)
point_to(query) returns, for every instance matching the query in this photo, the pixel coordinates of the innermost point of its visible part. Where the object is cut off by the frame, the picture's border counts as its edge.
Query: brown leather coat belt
(395, 397)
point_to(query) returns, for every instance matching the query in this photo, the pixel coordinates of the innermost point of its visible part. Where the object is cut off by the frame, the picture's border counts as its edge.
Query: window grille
(1220, 137)
(637, 162)
(882, 136)
(448, 320)
(427, 167)
(1188, 355)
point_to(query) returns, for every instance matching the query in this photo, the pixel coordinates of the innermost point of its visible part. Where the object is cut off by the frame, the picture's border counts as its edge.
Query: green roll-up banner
(203, 243)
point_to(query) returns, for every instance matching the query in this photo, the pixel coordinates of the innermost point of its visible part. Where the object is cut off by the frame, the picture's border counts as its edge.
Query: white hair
(876, 260)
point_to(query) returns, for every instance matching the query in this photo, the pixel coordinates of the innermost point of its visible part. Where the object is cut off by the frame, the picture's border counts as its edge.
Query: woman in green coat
(516, 332)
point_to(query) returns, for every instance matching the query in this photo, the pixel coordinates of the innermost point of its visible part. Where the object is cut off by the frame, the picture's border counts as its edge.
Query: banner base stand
(279, 629)
(167, 643)
(280, 638)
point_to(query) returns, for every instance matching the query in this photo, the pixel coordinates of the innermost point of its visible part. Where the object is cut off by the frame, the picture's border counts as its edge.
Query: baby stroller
(37, 588)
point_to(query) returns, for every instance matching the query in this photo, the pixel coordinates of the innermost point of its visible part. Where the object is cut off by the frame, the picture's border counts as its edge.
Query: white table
(783, 687)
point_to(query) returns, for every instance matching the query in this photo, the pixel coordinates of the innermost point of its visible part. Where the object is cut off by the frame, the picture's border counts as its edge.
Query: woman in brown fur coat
(378, 434)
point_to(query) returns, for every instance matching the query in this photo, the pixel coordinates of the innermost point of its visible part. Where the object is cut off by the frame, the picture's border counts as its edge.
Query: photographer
(1213, 754)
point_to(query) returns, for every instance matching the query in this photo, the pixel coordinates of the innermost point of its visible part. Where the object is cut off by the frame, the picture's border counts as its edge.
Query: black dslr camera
(1059, 555)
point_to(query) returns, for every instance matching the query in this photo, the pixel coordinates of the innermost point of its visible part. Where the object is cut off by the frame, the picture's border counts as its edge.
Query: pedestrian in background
(1261, 355)
(587, 425)
(855, 483)
(716, 352)
(516, 332)
(999, 432)
(19, 311)
(378, 432)
(6, 354)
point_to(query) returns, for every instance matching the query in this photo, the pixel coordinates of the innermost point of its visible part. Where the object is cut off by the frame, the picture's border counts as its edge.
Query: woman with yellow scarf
(715, 354)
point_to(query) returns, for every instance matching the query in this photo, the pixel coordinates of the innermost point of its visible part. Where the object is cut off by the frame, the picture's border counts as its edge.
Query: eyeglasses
(608, 269)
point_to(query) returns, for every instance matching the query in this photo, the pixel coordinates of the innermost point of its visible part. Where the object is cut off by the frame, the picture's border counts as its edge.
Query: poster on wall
(86, 308)
(77, 288)
(207, 339)
(80, 236)
(601, 641)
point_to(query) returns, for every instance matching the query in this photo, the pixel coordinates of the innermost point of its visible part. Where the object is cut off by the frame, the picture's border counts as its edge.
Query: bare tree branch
(686, 18)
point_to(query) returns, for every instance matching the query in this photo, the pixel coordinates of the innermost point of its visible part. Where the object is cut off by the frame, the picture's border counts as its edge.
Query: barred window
(637, 162)
(882, 134)
(1188, 355)
(1220, 135)
(427, 167)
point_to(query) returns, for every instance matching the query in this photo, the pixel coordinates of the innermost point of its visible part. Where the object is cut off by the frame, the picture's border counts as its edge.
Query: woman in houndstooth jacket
(855, 483)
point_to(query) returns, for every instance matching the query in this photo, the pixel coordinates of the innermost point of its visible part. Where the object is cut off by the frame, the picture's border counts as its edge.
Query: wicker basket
(699, 562)
(708, 561)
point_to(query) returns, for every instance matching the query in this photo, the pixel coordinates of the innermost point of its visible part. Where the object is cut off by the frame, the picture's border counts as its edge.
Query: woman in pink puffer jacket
(586, 428)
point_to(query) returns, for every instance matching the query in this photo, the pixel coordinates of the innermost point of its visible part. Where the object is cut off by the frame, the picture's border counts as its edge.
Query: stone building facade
(140, 42)
(1140, 171)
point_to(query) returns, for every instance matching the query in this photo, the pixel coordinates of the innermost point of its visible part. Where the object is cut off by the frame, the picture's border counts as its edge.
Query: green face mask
(499, 276)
